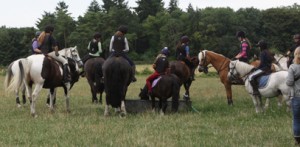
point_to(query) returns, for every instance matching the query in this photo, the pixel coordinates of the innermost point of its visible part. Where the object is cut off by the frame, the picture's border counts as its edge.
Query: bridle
(222, 67)
(233, 76)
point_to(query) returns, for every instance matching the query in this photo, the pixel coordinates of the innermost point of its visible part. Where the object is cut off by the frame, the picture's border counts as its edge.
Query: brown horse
(93, 74)
(221, 64)
(182, 71)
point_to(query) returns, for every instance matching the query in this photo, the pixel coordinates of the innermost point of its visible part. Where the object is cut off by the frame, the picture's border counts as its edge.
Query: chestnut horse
(93, 74)
(182, 71)
(221, 64)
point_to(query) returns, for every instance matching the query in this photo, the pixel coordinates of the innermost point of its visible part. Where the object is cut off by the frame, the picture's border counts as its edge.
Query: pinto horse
(221, 64)
(93, 74)
(167, 86)
(183, 72)
(276, 84)
(117, 74)
(45, 72)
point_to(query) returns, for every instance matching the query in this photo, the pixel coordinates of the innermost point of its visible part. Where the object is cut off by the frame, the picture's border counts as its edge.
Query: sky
(25, 13)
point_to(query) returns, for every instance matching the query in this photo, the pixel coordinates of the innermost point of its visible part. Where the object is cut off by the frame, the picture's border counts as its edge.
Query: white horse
(276, 85)
(32, 70)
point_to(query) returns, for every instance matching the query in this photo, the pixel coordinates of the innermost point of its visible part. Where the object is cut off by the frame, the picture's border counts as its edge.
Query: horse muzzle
(203, 69)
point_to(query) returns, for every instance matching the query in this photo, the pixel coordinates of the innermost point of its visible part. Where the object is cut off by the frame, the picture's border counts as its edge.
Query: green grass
(215, 123)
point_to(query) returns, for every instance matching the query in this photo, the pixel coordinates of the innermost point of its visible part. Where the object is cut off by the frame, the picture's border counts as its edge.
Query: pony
(281, 62)
(221, 64)
(45, 72)
(182, 71)
(276, 84)
(11, 71)
(117, 74)
(93, 74)
(167, 86)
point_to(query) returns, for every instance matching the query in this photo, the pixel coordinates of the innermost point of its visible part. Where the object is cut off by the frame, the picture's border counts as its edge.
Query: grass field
(214, 124)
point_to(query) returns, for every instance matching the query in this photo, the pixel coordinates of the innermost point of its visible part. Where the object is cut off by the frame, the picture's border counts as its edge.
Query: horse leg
(51, 92)
(17, 98)
(23, 94)
(165, 105)
(228, 93)
(94, 94)
(100, 99)
(187, 85)
(287, 100)
(279, 100)
(153, 104)
(106, 111)
(36, 91)
(267, 103)
(66, 90)
(123, 109)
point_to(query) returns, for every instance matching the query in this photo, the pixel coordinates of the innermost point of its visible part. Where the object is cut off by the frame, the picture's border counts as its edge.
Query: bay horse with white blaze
(221, 64)
(94, 74)
(275, 84)
(45, 72)
(183, 72)
(117, 74)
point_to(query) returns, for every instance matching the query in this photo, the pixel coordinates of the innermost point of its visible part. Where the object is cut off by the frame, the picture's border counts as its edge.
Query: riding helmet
(37, 33)
(49, 29)
(296, 36)
(165, 51)
(97, 35)
(240, 34)
(262, 44)
(123, 29)
(184, 39)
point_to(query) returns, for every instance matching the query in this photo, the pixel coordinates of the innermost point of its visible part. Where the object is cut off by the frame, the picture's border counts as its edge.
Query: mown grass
(214, 124)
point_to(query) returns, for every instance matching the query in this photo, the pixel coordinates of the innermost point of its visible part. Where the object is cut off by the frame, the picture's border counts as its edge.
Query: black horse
(117, 77)
(167, 86)
(93, 74)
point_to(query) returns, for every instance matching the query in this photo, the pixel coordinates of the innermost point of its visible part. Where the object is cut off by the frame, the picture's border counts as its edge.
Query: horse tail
(8, 76)
(116, 82)
(19, 76)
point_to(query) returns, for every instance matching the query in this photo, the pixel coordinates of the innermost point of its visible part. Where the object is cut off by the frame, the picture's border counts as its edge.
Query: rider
(94, 49)
(264, 67)
(46, 44)
(119, 45)
(160, 66)
(35, 44)
(290, 53)
(183, 53)
(244, 47)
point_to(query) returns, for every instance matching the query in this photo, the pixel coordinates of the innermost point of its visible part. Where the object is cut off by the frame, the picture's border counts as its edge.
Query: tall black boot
(254, 85)
(297, 141)
(133, 73)
(66, 76)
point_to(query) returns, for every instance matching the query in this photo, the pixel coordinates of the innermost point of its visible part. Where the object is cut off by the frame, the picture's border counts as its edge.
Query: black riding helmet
(49, 29)
(240, 34)
(184, 39)
(123, 29)
(262, 44)
(97, 35)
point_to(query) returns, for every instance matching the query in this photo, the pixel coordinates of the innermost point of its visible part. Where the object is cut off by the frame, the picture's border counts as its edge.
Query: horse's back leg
(17, 98)
(23, 94)
(187, 85)
(123, 109)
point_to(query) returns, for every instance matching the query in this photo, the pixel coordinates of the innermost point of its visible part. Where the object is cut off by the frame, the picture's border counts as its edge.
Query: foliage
(152, 27)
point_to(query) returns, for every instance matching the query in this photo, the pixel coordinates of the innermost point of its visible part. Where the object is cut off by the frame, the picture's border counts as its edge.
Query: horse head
(72, 52)
(203, 63)
(143, 94)
(239, 69)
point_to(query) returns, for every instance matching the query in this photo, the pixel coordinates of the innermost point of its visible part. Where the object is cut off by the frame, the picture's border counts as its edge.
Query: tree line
(152, 27)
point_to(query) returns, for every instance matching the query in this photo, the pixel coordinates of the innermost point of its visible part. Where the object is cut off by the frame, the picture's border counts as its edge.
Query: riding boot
(66, 76)
(133, 73)
(297, 141)
(254, 85)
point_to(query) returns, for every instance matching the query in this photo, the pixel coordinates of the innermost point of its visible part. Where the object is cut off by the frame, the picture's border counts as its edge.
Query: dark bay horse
(182, 71)
(167, 86)
(44, 72)
(221, 64)
(93, 74)
(117, 77)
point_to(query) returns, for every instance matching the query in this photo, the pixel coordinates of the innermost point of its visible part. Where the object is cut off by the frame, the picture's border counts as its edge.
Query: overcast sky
(25, 13)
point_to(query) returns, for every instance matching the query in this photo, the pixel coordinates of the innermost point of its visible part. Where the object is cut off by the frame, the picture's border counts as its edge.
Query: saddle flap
(263, 81)
(155, 81)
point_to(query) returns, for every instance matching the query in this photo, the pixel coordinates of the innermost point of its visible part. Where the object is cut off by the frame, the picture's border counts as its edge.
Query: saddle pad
(263, 81)
(155, 81)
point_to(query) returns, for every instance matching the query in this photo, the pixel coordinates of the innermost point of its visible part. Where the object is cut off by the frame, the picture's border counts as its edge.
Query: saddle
(263, 80)
(155, 81)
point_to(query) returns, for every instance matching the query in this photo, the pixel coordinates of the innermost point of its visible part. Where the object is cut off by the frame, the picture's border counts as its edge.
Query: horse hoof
(33, 115)
(68, 111)
(122, 115)
(19, 106)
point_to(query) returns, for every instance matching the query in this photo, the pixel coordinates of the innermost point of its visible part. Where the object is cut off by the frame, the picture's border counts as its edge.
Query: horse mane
(242, 67)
